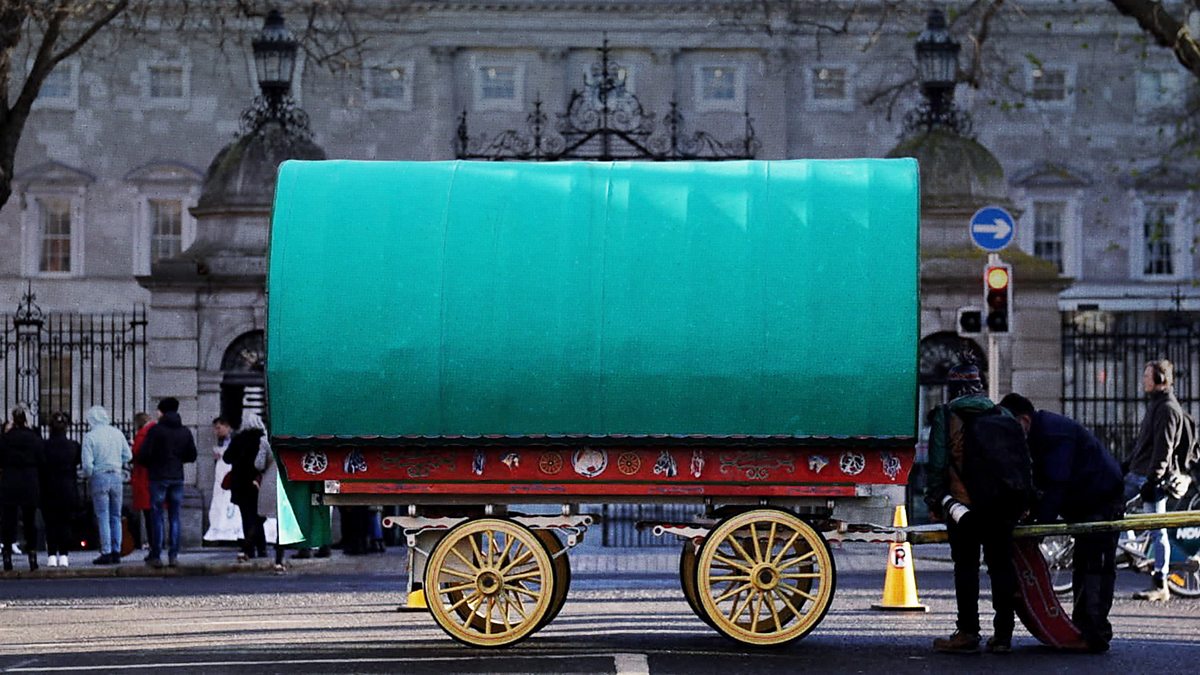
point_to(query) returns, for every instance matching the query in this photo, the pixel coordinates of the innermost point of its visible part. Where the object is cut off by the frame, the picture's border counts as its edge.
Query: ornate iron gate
(1104, 355)
(55, 362)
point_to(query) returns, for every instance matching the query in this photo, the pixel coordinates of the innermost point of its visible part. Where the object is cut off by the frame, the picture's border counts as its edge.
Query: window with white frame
(720, 87)
(1159, 223)
(1049, 224)
(389, 85)
(1158, 90)
(60, 89)
(165, 84)
(1051, 86)
(499, 85)
(166, 228)
(54, 235)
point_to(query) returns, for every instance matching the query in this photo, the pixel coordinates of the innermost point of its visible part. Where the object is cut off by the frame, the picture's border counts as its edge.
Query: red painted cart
(737, 336)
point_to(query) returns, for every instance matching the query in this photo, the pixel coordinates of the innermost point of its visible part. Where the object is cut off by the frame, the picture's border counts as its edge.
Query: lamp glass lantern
(274, 56)
(937, 52)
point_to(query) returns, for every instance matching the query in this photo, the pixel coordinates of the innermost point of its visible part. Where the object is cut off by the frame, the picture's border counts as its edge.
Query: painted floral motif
(629, 463)
(852, 463)
(891, 465)
(665, 466)
(590, 462)
(756, 464)
(550, 463)
(314, 462)
(697, 466)
(477, 462)
(355, 462)
(511, 459)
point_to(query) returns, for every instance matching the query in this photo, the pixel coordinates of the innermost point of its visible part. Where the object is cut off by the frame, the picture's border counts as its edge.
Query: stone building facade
(110, 171)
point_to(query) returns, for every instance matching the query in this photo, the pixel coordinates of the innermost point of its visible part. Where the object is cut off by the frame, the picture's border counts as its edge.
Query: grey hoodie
(104, 447)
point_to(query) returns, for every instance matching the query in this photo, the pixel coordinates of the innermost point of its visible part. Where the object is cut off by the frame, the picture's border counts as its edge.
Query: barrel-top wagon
(463, 339)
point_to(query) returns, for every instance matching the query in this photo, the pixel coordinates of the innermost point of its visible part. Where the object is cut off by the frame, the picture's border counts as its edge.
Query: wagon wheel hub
(764, 577)
(489, 582)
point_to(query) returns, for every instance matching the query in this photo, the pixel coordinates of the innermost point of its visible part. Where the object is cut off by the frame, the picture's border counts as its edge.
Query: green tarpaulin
(449, 298)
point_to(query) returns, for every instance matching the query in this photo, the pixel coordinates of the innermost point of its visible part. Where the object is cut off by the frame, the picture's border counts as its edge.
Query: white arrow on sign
(998, 229)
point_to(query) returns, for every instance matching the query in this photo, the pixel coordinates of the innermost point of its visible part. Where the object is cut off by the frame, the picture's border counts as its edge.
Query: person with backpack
(1079, 481)
(1156, 466)
(980, 484)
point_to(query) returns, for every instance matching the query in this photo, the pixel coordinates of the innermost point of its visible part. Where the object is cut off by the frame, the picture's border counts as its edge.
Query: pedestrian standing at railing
(1154, 470)
(105, 452)
(21, 460)
(1079, 481)
(59, 494)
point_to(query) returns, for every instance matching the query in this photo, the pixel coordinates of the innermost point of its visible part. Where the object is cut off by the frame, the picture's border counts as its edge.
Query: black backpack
(997, 469)
(1188, 451)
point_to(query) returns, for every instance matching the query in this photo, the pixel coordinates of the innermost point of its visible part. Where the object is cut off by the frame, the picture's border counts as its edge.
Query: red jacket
(139, 478)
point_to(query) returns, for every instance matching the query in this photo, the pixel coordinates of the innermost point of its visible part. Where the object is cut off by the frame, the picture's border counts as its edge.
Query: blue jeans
(1160, 546)
(170, 492)
(106, 502)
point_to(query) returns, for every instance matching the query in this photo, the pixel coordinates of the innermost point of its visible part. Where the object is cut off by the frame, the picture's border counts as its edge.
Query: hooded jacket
(105, 449)
(945, 446)
(169, 445)
(1076, 475)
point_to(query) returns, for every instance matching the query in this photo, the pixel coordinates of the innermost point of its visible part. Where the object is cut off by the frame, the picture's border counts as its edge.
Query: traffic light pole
(994, 349)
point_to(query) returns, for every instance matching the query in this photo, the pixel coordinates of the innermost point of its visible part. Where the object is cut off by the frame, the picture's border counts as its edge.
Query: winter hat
(964, 380)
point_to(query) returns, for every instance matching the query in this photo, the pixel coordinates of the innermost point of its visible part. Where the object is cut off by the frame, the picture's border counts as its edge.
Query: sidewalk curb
(129, 570)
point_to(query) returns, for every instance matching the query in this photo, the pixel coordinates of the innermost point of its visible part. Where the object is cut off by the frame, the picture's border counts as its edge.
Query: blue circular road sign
(992, 228)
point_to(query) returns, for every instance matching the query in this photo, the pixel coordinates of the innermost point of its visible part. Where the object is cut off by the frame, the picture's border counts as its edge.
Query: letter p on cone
(900, 583)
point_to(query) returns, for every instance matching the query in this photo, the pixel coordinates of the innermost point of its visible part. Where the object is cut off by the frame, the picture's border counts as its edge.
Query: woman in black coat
(243, 489)
(21, 461)
(60, 496)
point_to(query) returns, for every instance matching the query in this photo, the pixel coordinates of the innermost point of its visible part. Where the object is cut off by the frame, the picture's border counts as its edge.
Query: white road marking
(631, 664)
(308, 662)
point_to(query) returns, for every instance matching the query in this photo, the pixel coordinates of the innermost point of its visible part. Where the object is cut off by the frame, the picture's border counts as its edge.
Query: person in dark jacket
(60, 496)
(245, 480)
(1080, 481)
(168, 446)
(21, 459)
(1154, 462)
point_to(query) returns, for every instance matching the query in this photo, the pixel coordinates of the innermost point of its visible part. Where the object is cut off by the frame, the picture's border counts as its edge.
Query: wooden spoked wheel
(687, 580)
(489, 582)
(562, 572)
(765, 577)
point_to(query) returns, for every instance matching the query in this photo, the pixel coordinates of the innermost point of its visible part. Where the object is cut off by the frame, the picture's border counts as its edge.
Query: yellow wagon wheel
(562, 573)
(687, 580)
(489, 582)
(765, 577)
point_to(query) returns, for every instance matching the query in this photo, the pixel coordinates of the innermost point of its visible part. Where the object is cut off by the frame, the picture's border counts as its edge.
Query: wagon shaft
(936, 534)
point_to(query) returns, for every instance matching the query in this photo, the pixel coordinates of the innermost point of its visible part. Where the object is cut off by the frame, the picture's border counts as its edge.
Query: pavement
(586, 559)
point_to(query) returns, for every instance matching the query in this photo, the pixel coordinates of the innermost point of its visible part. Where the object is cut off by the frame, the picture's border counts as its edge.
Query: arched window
(243, 386)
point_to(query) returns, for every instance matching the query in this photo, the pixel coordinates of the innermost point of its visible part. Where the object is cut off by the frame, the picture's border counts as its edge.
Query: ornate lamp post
(937, 63)
(275, 63)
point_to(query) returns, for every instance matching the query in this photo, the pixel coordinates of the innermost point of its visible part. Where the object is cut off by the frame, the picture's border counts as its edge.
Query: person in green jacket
(949, 501)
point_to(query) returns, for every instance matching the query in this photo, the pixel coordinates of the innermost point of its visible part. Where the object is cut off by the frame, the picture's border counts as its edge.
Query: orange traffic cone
(900, 584)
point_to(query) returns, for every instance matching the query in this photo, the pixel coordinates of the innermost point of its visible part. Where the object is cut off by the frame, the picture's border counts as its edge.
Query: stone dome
(956, 172)
(242, 175)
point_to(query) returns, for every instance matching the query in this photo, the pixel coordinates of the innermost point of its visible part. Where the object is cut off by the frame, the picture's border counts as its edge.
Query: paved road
(262, 623)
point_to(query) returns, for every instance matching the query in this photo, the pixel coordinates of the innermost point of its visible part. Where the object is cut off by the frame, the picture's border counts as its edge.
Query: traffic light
(997, 292)
(970, 321)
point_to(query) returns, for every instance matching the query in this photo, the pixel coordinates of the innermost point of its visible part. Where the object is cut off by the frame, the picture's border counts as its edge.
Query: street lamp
(275, 63)
(274, 58)
(937, 63)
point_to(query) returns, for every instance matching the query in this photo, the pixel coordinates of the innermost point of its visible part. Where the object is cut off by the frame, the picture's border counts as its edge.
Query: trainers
(998, 645)
(52, 561)
(156, 563)
(172, 561)
(103, 559)
(958, 643)
(64, 561)
(1157, 592)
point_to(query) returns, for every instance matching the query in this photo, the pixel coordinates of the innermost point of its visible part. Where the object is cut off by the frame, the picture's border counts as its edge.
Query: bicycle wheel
(1060, 558)
(1183, 578)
